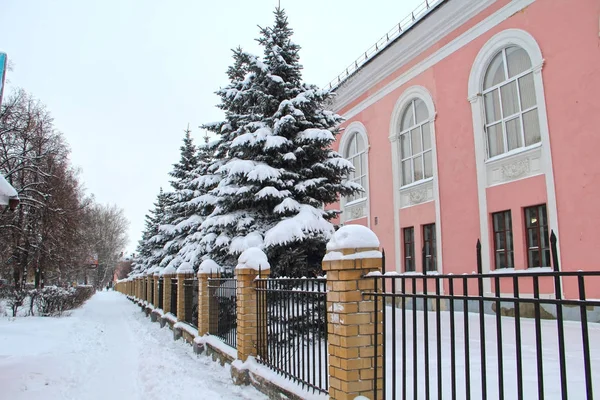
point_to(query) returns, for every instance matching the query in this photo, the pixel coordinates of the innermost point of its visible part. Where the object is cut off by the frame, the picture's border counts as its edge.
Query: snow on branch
(309, 220)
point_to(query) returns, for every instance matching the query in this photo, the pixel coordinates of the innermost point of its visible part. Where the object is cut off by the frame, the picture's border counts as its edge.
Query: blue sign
(3, 66)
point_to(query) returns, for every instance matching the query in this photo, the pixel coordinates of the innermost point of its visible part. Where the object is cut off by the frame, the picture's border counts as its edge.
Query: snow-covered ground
(550, 356)
(107, 349)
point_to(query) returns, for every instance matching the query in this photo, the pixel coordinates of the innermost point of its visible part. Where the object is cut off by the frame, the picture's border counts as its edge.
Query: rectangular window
(503, 240)
(538, 243)
(429, 251)
(409, 249)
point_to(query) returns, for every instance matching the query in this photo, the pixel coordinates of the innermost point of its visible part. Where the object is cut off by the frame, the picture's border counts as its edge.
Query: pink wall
(571, 75)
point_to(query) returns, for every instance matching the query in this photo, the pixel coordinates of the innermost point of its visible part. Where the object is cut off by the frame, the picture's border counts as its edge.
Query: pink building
(479, 121)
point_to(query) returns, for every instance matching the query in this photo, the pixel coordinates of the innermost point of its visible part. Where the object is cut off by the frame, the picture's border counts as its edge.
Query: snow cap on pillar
(157, 271)
(170, 270)
(208, 266)
(253, 258)
(185, 268)
(353, 237)
(353, 242)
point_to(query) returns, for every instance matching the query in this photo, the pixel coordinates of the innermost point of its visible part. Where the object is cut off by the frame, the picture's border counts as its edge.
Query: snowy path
(107, 349)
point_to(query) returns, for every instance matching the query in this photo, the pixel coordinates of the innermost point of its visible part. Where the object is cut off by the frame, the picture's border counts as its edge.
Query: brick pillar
(181, 277)
(351, 318)
(155, 283)
(149, 282)
(204, 297)
(247, 312)
(167, 291)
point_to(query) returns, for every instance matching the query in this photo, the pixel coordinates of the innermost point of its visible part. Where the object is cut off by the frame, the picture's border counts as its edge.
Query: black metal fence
(190, 287)
(173, 308)
(489, 336)
(161, 290)
(294, 329)
(223, 309)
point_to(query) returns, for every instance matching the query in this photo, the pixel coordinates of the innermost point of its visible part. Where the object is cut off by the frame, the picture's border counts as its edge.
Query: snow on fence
(292, 334)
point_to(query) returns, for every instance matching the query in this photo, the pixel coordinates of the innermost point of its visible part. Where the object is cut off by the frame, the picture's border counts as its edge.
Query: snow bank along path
(107, 349)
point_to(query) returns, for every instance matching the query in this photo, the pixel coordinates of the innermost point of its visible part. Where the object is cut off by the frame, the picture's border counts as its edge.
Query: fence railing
(494, 335)
(404, 25)
(190, 287)
(160, 292)
(223, 309)
(294, 329)
(173, 305)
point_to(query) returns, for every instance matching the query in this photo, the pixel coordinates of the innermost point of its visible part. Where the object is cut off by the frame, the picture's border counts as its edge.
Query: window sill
(415, 184)
(533, 270)
(355, 202)
(513, 153)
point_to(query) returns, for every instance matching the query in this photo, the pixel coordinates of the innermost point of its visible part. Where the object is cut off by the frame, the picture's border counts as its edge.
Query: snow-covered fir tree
(275, 159)
(150, 247)
(179, 217)
(199, 206)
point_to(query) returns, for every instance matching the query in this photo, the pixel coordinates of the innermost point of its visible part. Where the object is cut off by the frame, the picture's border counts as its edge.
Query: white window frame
(503, 118)
(419, 192)
(356, 128)
(412, 156)
(518, 161)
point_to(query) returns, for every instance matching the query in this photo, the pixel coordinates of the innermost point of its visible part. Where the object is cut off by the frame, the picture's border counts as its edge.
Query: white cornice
(462, 40)
(442, 21)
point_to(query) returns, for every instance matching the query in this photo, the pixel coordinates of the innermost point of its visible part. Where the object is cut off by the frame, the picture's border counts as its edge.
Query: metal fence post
(354, 328)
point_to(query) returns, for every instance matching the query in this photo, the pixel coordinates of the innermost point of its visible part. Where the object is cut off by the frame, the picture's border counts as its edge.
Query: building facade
(479, 122)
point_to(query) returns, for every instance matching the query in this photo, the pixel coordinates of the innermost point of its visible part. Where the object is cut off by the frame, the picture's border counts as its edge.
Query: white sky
(123, 78)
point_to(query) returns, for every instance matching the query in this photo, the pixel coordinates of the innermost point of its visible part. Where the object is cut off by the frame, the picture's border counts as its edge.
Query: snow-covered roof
(353, 237)
(6, 191)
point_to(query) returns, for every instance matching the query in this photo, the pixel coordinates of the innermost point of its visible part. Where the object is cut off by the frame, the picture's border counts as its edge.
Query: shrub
(14, 299)
(53, 300)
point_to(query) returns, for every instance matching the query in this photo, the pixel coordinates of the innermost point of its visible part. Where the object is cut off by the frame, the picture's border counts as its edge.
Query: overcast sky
(123, 78)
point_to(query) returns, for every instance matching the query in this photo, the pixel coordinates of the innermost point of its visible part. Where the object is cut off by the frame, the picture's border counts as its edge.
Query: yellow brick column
(149, 281)
(207, 269)
(185, 271)
(167, 274)
(353, 252)
(250, 263)
(155, 283)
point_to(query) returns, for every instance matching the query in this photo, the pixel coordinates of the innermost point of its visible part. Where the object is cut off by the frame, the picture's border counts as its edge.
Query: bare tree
(107, 237)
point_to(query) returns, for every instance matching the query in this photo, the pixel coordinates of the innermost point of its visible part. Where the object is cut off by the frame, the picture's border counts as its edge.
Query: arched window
(415, 143)
(356, 152)
(511, 110)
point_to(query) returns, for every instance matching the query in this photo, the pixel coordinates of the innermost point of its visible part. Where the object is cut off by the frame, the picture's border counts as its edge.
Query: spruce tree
(275, 158)
(151, 244)
(200, 205)
(176, 224)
